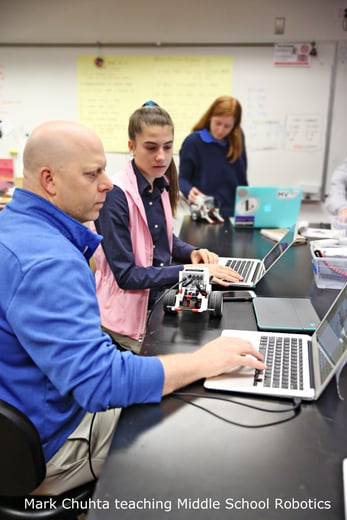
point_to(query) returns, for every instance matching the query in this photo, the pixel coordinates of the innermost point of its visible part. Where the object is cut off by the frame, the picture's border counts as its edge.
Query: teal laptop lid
(266, 206)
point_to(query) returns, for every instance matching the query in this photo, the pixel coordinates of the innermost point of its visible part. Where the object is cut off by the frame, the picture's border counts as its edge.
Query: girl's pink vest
(125, 311)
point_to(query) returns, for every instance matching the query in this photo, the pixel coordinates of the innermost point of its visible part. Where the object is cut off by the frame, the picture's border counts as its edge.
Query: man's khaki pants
(70, 466)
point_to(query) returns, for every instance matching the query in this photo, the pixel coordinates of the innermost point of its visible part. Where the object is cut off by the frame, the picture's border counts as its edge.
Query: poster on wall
(182, 84)
(292, 54)
(6, 179)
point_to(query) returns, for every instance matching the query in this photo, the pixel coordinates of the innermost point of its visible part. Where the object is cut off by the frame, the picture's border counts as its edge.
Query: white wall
(153, 22)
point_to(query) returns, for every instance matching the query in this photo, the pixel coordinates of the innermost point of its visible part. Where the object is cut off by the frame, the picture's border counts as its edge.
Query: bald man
(56, 365)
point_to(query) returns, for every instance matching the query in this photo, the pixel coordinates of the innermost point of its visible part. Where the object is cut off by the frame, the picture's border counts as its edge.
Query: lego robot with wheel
(194, 294)
(205, 209)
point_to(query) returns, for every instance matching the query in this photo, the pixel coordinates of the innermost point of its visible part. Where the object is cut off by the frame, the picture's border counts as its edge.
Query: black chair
(23, 468)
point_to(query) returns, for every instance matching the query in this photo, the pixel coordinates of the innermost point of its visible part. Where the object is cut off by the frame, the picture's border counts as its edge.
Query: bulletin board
(286, 110)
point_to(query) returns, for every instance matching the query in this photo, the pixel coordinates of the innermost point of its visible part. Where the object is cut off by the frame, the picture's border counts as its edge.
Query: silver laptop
(299, 365)
(253, 269)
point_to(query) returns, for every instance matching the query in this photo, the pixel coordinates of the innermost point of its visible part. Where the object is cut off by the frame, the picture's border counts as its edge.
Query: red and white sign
(292, 54)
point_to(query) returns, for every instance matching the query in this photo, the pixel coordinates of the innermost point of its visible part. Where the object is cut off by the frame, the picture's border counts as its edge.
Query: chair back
(22, 462)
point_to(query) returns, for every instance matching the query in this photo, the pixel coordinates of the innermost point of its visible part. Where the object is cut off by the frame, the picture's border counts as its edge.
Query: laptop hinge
(310, 359)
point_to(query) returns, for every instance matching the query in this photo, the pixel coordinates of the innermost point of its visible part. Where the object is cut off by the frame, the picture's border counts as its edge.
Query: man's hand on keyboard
(225, 353)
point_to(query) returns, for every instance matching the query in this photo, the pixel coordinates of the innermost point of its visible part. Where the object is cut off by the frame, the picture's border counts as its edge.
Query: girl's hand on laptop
(203, 256)
(223, 275)
(220, 274)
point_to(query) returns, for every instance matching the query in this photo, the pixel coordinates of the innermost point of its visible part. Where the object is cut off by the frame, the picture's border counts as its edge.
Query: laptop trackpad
(243, 375)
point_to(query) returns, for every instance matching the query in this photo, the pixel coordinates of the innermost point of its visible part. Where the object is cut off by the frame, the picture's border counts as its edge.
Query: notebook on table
(266, 206)
(285, 314)
(254, 269)
(299, 365)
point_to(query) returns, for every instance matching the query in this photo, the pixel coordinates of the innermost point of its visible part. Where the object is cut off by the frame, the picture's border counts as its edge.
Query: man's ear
(47, 181)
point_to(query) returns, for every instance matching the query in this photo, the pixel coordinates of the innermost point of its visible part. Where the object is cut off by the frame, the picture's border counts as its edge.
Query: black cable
(295, 409)
(200, 289)
(158, 300)
(89, 447)
(163, 294)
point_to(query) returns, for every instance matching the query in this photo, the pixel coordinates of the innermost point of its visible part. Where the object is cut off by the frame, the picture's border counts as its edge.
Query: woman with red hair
(213, 158)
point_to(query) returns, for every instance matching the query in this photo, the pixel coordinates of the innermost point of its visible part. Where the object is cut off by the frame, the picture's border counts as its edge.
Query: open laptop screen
(278, 249)
(331, 335)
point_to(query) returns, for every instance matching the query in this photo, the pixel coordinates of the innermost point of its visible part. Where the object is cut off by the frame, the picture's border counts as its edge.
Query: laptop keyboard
(284, 359)
(243, 267)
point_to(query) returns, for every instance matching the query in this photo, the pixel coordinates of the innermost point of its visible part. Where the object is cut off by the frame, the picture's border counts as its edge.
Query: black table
(174, 460)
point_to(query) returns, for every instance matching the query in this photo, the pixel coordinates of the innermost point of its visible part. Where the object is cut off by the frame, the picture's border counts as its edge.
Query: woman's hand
(193, 194)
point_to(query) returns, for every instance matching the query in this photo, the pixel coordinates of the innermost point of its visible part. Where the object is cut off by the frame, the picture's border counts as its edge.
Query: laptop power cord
(292, 410)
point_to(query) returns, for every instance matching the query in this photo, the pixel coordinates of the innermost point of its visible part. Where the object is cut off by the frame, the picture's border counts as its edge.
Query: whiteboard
(285, 109)
(107, 95)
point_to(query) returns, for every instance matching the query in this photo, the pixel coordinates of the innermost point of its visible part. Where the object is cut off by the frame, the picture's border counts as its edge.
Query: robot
(194, 294)
(204, 209)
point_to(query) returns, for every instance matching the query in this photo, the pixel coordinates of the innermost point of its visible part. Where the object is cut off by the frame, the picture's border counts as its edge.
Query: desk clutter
(328, 251)
(213, 423)
(329, 261)
(276, 234)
